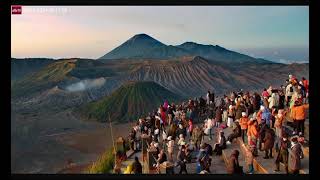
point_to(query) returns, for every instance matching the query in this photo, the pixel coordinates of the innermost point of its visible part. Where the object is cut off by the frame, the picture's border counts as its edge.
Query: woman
(253, 135)
(279, 119)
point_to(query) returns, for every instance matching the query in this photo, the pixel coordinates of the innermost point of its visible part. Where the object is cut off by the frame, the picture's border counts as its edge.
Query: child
(244, 125)
(249, 159)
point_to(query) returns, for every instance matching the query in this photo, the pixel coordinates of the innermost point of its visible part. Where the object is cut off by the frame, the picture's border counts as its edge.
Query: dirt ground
(48, 143)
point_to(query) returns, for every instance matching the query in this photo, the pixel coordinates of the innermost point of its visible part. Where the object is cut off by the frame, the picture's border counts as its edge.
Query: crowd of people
(257, 119)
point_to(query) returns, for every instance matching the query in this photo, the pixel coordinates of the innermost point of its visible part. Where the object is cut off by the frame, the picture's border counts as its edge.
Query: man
(137, 167)
(283, 153)
(295, 156)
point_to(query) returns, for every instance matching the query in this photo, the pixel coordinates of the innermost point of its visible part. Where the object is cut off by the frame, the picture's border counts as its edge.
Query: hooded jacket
(299, 112)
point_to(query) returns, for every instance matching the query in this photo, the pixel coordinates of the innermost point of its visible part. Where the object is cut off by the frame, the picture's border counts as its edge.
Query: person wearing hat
(299, 113)
(295, 156)
(283, 153)
(244, 124)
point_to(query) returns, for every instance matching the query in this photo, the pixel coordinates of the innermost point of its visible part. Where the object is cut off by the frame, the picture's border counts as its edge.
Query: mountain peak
(138, 38)
(189, 43)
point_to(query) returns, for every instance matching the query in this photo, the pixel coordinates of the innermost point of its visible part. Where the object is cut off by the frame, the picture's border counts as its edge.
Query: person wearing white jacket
(273, 101)
(209, 127)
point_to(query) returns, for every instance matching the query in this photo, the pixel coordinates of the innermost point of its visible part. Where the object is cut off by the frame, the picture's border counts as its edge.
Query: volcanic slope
(59, 73)
(129, 102)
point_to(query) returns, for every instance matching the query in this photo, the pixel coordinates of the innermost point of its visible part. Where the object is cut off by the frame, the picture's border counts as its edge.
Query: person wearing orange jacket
(244, 124)
(298, 113)
(253, 135)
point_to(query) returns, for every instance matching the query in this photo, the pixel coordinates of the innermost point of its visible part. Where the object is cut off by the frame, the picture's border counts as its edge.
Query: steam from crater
(86, 84)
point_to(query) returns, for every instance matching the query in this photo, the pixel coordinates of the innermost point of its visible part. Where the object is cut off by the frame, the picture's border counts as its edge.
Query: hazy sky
(92, 31)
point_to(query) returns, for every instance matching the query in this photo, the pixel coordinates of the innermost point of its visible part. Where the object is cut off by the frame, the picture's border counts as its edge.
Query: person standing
(218, 118)
(298, 113)
(170, 146)
(289, 93)
(268, 143)
(249, 159)
(231, 115)
(283, 154)
(279, 119)
(244, 125)
(208, 97)
(209, 128)
(253, 135)
(295, 156)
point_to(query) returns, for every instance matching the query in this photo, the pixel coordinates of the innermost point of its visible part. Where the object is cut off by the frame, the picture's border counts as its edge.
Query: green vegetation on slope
(46, 78)
(104, 163)
(129, 102)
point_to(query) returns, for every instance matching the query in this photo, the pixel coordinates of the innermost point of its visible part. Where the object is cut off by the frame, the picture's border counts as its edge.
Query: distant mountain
(129, 102)
(218, 53)
(143, 46)
(23, 67)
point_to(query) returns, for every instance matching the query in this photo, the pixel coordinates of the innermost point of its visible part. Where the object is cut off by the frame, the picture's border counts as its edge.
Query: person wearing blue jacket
(266, 115)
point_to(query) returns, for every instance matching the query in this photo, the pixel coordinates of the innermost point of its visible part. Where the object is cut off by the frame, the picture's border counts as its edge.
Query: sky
(274, 32)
